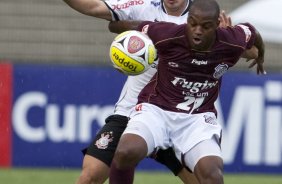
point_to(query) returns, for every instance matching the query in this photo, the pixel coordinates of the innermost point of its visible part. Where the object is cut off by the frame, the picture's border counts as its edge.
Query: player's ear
(217, 23)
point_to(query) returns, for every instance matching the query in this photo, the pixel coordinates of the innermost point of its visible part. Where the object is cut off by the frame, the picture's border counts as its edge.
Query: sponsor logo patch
(156, 4)
(199, 62)
(127, 4)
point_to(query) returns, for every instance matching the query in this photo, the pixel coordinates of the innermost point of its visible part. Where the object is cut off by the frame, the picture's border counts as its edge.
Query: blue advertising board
(250, 111)
(56, 110)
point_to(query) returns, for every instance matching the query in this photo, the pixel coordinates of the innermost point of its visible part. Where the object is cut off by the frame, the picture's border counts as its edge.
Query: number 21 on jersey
(190, 103)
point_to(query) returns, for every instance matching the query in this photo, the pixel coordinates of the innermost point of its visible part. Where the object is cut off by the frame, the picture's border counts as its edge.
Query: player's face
(175, 7)
(201, 27)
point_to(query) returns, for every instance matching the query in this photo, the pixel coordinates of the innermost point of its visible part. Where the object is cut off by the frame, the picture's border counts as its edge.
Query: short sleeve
(249, 33)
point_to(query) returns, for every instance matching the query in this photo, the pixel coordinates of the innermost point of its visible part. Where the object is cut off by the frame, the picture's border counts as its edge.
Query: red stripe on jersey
(5, 114)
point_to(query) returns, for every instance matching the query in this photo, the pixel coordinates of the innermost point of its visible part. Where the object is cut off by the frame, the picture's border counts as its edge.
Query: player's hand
(259, 62)
(257, 59)
(259, 44)
(254, 56)
(225, 20)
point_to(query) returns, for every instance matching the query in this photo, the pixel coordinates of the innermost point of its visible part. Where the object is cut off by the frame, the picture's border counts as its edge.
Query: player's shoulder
(237, 35)
(172, 30)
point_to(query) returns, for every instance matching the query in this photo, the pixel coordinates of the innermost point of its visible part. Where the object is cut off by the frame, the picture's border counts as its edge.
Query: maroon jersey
(187, 80)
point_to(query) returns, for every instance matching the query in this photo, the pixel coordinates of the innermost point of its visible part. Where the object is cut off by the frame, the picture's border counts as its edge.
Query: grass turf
(69, 176)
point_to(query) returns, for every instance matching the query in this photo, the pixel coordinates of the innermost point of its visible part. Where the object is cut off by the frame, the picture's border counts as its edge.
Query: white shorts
(209, 147)
(163, 129)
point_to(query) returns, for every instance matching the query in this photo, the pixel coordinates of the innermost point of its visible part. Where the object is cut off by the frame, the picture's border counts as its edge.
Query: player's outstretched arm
(95, 8)
(259, 44)
(121, 26)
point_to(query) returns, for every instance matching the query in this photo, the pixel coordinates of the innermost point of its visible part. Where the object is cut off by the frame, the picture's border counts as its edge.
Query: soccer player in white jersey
(100, 152)
(98, 157)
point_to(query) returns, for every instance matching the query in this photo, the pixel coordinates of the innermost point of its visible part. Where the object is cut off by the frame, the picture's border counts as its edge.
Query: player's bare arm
(95, 8)
(259, 44)
(121, 26)
(251, 53)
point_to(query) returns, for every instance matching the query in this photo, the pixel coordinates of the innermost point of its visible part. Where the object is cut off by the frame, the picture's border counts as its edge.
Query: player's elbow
(251, 53)
(115, 27)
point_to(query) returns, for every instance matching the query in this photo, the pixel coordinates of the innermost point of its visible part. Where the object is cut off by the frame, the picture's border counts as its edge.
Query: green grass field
(68, 176)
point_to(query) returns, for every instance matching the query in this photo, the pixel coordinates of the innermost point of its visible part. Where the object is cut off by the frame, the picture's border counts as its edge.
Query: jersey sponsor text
(194, 87)
(128, 4)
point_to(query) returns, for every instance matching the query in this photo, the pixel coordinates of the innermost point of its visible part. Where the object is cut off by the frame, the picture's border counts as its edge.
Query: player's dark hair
(207, 5)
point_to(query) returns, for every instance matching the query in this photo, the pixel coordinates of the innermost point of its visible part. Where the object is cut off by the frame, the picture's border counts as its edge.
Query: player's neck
(176, 11)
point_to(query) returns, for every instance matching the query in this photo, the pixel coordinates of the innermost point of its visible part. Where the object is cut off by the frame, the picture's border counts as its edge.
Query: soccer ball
(132, 52)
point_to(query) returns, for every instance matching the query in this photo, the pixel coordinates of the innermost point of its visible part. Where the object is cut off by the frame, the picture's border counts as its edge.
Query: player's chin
(197, 44)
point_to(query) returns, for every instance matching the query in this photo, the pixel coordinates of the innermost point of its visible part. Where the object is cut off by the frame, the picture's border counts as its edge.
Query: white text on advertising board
(255, 112)
(77, 123)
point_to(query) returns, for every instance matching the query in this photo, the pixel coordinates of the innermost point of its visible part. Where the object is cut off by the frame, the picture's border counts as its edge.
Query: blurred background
(49, 31)
(57, 86)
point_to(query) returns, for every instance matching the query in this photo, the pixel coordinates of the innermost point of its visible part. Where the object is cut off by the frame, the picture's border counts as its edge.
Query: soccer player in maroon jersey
(176, 108)
(98, 157)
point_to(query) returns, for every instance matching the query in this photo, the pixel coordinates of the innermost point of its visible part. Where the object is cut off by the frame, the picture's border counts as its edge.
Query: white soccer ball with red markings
(132, 52)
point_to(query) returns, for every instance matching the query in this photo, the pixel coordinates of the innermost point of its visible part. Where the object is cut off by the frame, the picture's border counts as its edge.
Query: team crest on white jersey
(104, 140)
(220, 70)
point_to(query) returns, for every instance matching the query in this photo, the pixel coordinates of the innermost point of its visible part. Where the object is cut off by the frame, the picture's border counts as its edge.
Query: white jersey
(151, 10)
